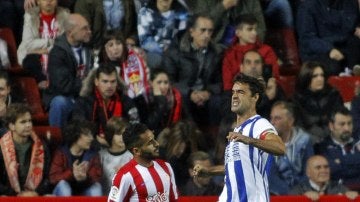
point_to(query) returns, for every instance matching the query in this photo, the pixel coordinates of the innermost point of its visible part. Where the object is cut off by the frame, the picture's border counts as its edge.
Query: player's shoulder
(264, 125)
(263, 121)
(124, 170)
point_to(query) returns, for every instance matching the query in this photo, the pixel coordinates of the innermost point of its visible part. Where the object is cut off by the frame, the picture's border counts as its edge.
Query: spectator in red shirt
(246, 39)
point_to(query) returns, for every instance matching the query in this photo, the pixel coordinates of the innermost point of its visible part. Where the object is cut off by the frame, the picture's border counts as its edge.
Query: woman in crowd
(162, 106)
(315, 99)
(130, 65)
(177, 143)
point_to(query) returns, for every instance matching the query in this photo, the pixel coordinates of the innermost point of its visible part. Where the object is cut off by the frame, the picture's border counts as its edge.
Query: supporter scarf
(176, 109)
(35, 172)
(48, 30)
(134, 74)
(174, 105)
(102, 113)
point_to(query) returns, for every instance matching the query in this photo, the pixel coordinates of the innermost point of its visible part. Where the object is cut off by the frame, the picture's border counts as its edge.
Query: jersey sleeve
(263, 127)
(121, 188)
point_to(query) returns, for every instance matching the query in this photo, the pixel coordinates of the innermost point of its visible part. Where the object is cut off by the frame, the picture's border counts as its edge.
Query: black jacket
(84, 107)
(62, 67)
(182, 65)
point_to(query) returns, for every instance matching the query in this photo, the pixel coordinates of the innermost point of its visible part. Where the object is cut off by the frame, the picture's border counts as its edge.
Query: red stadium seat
(346, 86)
(50, 134)
(7, 35)
(284, 43)
(30, 90)
(287, 83)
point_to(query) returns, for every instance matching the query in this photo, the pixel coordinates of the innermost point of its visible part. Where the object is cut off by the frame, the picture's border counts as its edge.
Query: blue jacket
(344, 167)
(289, 169)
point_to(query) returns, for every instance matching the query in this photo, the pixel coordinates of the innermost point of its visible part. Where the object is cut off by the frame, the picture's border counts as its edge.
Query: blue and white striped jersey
(247, 167)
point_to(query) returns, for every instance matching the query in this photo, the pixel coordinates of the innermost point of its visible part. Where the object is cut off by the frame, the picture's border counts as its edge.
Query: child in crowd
(247, 39)
(116, 155)
(76, 168)
(24, 157)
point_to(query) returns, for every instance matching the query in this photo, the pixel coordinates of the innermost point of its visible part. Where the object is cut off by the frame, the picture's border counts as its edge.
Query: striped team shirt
(247, 167)
(136, 183)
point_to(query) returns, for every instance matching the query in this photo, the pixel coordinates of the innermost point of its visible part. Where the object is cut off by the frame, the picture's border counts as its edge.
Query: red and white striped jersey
(135, 183)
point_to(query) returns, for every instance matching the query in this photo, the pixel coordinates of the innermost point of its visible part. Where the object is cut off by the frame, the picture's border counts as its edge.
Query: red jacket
(234, 56)
(61, 168)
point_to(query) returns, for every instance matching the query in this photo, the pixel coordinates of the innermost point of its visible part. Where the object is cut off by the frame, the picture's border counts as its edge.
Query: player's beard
(149, 155)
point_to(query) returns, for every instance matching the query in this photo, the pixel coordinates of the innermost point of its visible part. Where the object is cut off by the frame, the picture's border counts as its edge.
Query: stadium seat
(50, 134)
(284, 43)
(287, 83)
(30, 90)
(346, 86)
(7, 35)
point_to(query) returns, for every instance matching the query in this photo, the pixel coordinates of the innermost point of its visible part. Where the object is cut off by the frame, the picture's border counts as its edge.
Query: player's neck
(144, 162)
(241, 118)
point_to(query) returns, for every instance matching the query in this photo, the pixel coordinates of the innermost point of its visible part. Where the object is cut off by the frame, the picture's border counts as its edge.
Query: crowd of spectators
(101, 65)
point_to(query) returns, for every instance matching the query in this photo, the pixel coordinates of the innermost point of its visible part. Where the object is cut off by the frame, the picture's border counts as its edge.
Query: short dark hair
(255, 85)
(339, 110)
(73, 131)
(156, 71)
(105, 68)
(132, 133)
(197, 156)
(14, 111)
(115, 125)
(246, 19)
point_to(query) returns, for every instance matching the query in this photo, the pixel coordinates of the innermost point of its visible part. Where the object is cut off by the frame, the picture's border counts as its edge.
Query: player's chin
(156, 153)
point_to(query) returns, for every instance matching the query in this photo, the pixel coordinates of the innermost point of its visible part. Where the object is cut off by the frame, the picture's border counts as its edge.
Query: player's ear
(135, 150)
(256, 97)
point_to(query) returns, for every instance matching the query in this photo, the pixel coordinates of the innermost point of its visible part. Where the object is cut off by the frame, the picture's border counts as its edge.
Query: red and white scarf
(48, 30)
(134, 74)
(35, 172)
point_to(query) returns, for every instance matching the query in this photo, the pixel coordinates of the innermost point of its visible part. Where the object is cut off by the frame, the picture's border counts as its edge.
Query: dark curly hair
(73, 131)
